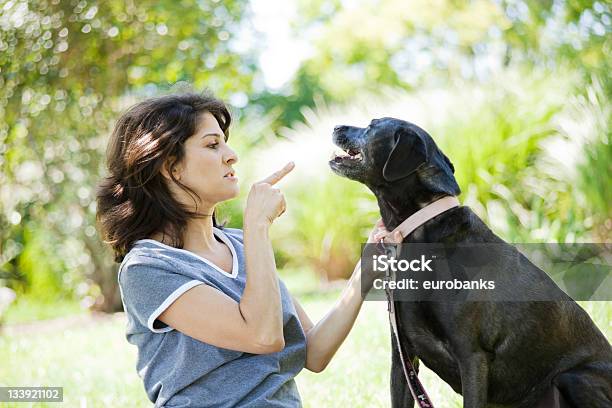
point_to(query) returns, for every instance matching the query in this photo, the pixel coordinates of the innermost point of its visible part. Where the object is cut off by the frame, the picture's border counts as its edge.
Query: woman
(213, 324)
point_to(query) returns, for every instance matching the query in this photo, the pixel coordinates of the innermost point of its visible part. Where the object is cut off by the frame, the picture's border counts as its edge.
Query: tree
(67, 69)
(362, 46)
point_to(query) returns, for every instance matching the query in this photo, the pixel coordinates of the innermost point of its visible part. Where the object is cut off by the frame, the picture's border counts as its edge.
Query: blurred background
(516, 93)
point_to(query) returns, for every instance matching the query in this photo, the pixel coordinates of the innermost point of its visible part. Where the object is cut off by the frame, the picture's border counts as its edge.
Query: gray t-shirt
(180, 371)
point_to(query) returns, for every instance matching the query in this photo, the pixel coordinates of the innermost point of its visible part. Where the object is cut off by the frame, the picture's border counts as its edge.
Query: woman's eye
(213, 146)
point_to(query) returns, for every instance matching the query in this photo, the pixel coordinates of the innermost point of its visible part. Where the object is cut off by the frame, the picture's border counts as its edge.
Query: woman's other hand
(368, 275)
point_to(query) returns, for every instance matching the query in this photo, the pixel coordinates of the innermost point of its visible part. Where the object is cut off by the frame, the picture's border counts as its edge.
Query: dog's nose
(339, 128)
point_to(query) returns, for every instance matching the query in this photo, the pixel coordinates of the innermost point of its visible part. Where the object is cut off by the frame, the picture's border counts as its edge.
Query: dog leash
(405, 228)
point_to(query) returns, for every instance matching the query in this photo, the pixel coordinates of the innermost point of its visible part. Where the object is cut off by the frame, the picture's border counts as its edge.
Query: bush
(497, 136)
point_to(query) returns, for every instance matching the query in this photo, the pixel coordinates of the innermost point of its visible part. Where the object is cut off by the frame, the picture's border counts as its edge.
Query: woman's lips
(231, 176)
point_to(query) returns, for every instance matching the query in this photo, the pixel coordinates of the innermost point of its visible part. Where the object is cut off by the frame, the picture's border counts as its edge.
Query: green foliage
(495, 144)
(501, 137)
(67, 69)
(43, 274)
(575, 32)
(595, 171)
(327, 221)
(361, 46)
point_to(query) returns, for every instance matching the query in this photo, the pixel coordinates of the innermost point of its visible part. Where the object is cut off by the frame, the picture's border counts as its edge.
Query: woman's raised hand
(265, 203)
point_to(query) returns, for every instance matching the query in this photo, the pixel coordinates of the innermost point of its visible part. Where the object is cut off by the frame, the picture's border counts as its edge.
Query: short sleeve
(148, 287)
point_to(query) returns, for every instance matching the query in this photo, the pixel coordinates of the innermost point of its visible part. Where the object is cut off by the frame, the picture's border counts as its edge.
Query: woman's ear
(170, 164)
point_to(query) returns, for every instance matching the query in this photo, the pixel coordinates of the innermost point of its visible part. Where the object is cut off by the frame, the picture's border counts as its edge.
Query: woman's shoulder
(148, 253)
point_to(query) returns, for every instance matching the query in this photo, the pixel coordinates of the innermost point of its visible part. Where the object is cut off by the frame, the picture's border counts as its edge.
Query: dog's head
(393, 154)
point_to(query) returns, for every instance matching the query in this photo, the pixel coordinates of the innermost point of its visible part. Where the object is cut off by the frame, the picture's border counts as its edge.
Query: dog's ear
(447, 160)
(407, 155)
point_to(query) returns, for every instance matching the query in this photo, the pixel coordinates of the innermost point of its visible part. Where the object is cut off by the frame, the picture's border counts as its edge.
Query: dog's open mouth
(346, 156)
(348, 160)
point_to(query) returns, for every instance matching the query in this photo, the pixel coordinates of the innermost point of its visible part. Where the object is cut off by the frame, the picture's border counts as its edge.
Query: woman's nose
(230, 156)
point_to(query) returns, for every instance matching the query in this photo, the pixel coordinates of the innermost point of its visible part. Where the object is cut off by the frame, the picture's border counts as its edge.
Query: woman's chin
(233, 193)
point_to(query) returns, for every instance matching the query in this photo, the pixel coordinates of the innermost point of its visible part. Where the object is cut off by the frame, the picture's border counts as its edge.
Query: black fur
(496, 354)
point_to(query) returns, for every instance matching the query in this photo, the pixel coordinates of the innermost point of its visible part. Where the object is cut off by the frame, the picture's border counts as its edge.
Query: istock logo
(383, 263)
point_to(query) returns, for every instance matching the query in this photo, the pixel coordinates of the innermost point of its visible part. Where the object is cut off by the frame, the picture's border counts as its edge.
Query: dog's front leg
(474, 380)
(400, 393)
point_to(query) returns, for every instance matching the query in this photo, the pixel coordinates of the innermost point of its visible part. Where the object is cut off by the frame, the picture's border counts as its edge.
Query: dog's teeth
(341, 153)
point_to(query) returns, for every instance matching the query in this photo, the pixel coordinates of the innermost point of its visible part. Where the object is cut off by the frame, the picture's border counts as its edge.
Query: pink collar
(425, 214)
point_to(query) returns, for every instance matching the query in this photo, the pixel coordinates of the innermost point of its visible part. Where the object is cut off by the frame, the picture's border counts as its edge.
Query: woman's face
(206, 167)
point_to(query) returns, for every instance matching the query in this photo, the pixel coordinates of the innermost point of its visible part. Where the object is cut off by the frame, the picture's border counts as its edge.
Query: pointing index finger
(278, 175)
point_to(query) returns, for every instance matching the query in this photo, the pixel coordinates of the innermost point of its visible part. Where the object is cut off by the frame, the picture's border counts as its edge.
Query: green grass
(96, 366)
(29, 309)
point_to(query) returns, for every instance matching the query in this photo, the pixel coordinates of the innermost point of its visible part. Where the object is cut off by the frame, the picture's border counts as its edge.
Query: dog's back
(530, 344)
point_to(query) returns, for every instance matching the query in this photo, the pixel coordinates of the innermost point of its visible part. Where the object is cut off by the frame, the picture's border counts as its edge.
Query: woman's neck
(199, 235)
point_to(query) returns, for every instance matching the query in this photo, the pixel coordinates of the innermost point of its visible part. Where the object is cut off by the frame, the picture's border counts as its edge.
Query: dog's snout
(339, 128)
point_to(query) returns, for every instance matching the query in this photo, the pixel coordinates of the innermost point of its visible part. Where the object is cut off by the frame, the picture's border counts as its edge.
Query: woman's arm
(255, 324)
(324, 338)
(260, 305)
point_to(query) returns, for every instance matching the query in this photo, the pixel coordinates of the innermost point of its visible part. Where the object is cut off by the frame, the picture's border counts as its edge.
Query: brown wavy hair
(134, 201)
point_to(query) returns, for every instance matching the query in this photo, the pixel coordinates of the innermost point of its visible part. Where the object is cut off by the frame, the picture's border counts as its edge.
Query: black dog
(496, 354)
